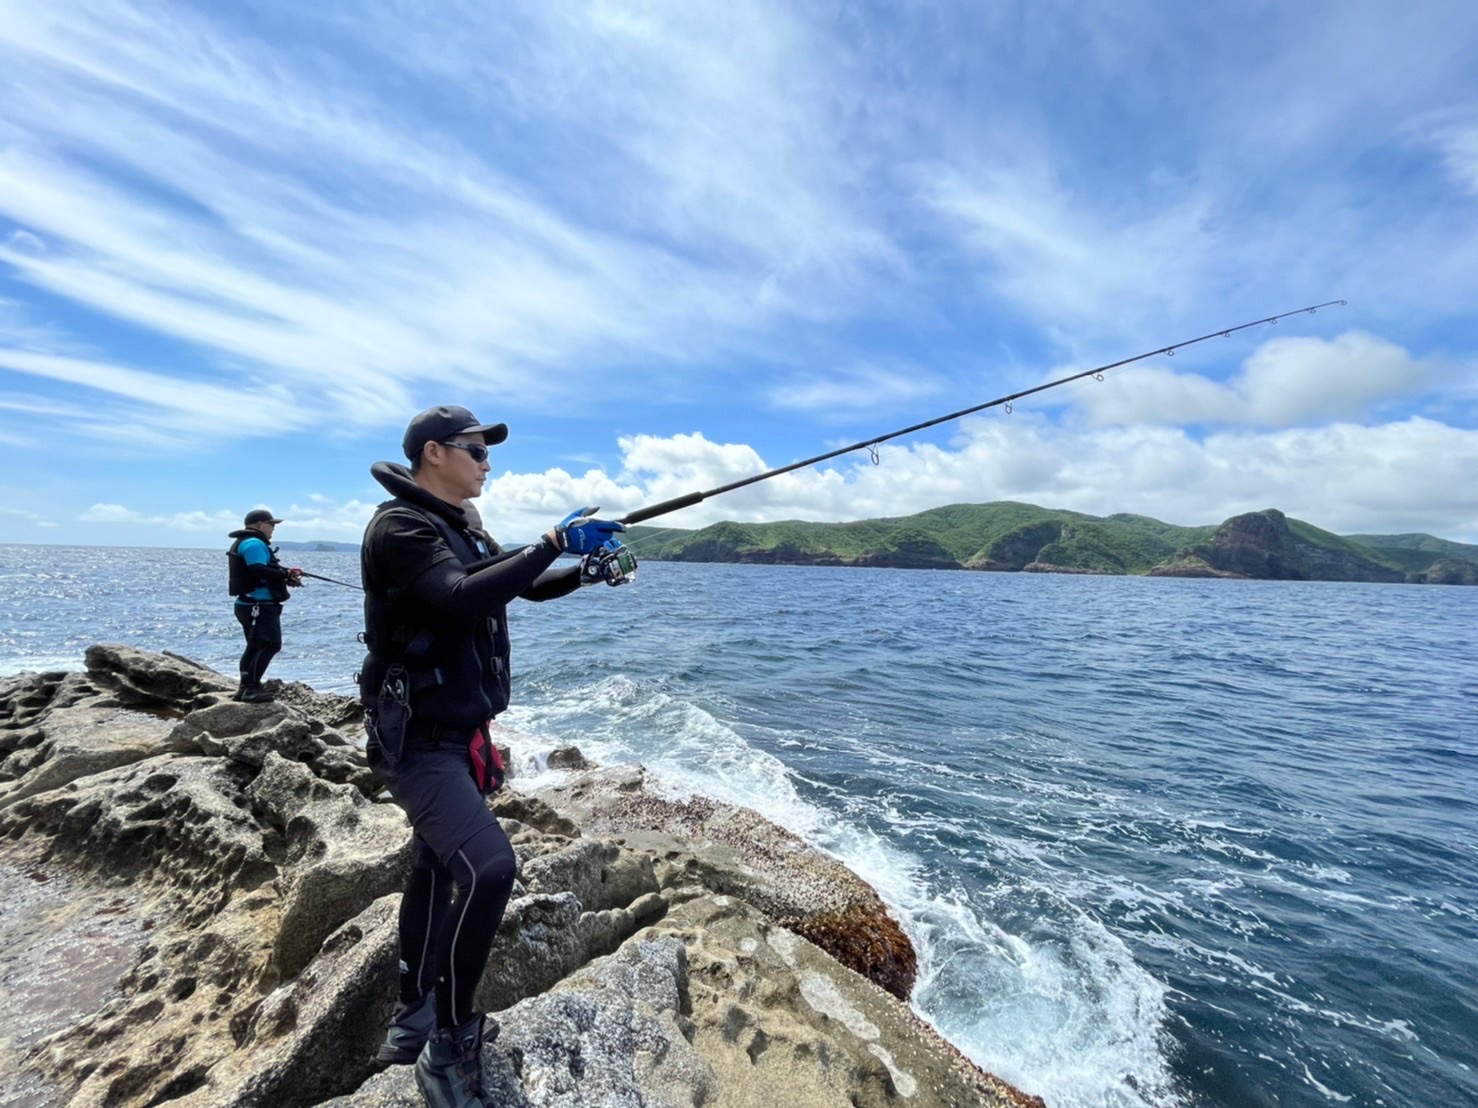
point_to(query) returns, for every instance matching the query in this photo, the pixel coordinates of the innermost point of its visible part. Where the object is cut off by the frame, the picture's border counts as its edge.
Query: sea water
(1157, 842)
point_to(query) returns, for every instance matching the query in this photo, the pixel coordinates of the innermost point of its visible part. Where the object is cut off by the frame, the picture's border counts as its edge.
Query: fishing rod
(330, 580)
(688, 500)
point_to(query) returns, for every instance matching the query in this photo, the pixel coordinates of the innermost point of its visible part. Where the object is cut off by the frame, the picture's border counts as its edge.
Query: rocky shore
(198, 902)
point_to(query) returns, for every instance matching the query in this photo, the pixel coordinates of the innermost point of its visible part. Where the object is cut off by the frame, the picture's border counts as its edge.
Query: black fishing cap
(259, 515)
(444, 422)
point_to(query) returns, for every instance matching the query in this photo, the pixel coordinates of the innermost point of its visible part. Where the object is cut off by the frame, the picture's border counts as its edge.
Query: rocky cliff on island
(198, 902)
(1268, 546)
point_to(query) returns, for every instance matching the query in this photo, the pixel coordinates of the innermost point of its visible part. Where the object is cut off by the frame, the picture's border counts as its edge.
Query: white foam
(38, 663)
(1324, 1089)
(1061, 1010)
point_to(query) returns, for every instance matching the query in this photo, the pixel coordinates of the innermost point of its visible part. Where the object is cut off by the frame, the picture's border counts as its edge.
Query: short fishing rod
(871, 444)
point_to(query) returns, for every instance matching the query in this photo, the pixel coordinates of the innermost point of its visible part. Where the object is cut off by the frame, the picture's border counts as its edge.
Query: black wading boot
(410, 1026)
(449, 1070)
(254, 694)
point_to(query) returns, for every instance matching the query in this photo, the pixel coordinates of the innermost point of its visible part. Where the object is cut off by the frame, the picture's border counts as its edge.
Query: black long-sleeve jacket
(436, 591)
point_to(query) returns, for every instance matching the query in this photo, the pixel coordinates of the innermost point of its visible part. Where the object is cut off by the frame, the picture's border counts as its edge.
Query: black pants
(261, 622)
(458, 849)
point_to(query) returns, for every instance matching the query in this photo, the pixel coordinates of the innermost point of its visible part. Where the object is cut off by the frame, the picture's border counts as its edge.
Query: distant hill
(319, 544)
(1415, 552)
(1013, 537)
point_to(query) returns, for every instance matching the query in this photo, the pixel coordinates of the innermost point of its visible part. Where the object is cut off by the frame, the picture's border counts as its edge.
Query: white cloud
(1415, 475)
(323, 518)
(689, 459)
(1073, 259)
(1286, 382)
(219, 521)
(1462, 158)
(861, 388)
(342, 522)
(182, 406)
(21, 513)
(276, 211)
(112, 513)
(712, 125)
(38, 405)
(1454, 135)
(1295, 380)
(24, 242)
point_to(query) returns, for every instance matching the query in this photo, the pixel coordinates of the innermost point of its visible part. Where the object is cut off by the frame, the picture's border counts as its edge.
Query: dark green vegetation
(1006, 535)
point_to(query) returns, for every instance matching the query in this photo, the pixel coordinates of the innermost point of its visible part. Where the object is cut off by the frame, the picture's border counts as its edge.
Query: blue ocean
(1158, 842)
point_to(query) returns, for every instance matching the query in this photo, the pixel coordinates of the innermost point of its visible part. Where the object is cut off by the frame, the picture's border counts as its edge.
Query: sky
(677, 244)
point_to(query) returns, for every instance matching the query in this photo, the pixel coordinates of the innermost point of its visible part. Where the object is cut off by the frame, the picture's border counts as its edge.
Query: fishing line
(659, 533)
(871, 445)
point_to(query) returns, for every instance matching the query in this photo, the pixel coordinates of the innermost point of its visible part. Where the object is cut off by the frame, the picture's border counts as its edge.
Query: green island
(1007, 536)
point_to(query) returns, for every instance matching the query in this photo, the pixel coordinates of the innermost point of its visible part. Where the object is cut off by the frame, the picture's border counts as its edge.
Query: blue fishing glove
(612, 563)
(580, 532)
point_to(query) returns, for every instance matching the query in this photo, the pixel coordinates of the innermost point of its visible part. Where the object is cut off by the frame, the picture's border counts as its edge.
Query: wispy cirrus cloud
(269, 207)
(1457, 143)
(181, 406)
(860, 388)
(1068, 262)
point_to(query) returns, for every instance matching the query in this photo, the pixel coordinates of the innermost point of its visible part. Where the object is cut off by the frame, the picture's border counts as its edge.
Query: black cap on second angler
(259, 515)
(444, 422)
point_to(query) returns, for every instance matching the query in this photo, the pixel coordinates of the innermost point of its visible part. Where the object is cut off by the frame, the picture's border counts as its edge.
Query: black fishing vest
(458, 667)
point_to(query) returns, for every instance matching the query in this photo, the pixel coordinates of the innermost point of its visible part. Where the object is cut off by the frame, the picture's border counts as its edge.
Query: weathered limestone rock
(198, 907)
(613, 1035)
(89, 738)
(782, 1022)
(704, 844)
(317, 1033)
(139, 679)
(27, 696)
(598, 873)
(340, 852)
(719, 1007)
(247, 732)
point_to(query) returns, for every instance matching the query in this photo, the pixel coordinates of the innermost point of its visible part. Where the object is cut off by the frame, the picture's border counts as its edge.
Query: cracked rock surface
(198, 904)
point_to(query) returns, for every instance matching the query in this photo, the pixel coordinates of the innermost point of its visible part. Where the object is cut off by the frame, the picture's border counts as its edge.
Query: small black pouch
(391, 716)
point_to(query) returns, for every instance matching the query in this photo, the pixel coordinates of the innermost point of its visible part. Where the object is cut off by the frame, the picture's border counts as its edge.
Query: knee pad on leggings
(485, 865)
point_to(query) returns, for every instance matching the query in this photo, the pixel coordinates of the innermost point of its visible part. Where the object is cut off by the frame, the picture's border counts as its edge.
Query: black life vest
(240, 580)
(459, 668)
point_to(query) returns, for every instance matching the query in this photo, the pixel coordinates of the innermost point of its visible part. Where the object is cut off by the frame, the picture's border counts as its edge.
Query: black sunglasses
(478, 451)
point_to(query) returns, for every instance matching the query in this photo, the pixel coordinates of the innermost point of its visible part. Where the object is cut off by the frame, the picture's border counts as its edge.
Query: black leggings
(448, 935)
(458, 849)
(261, 623)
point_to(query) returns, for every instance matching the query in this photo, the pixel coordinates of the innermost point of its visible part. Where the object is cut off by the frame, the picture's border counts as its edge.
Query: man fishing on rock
(436, 592)
(260, 585)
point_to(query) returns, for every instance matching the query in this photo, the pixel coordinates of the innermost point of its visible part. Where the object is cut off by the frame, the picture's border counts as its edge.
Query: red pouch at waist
(485, 762)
